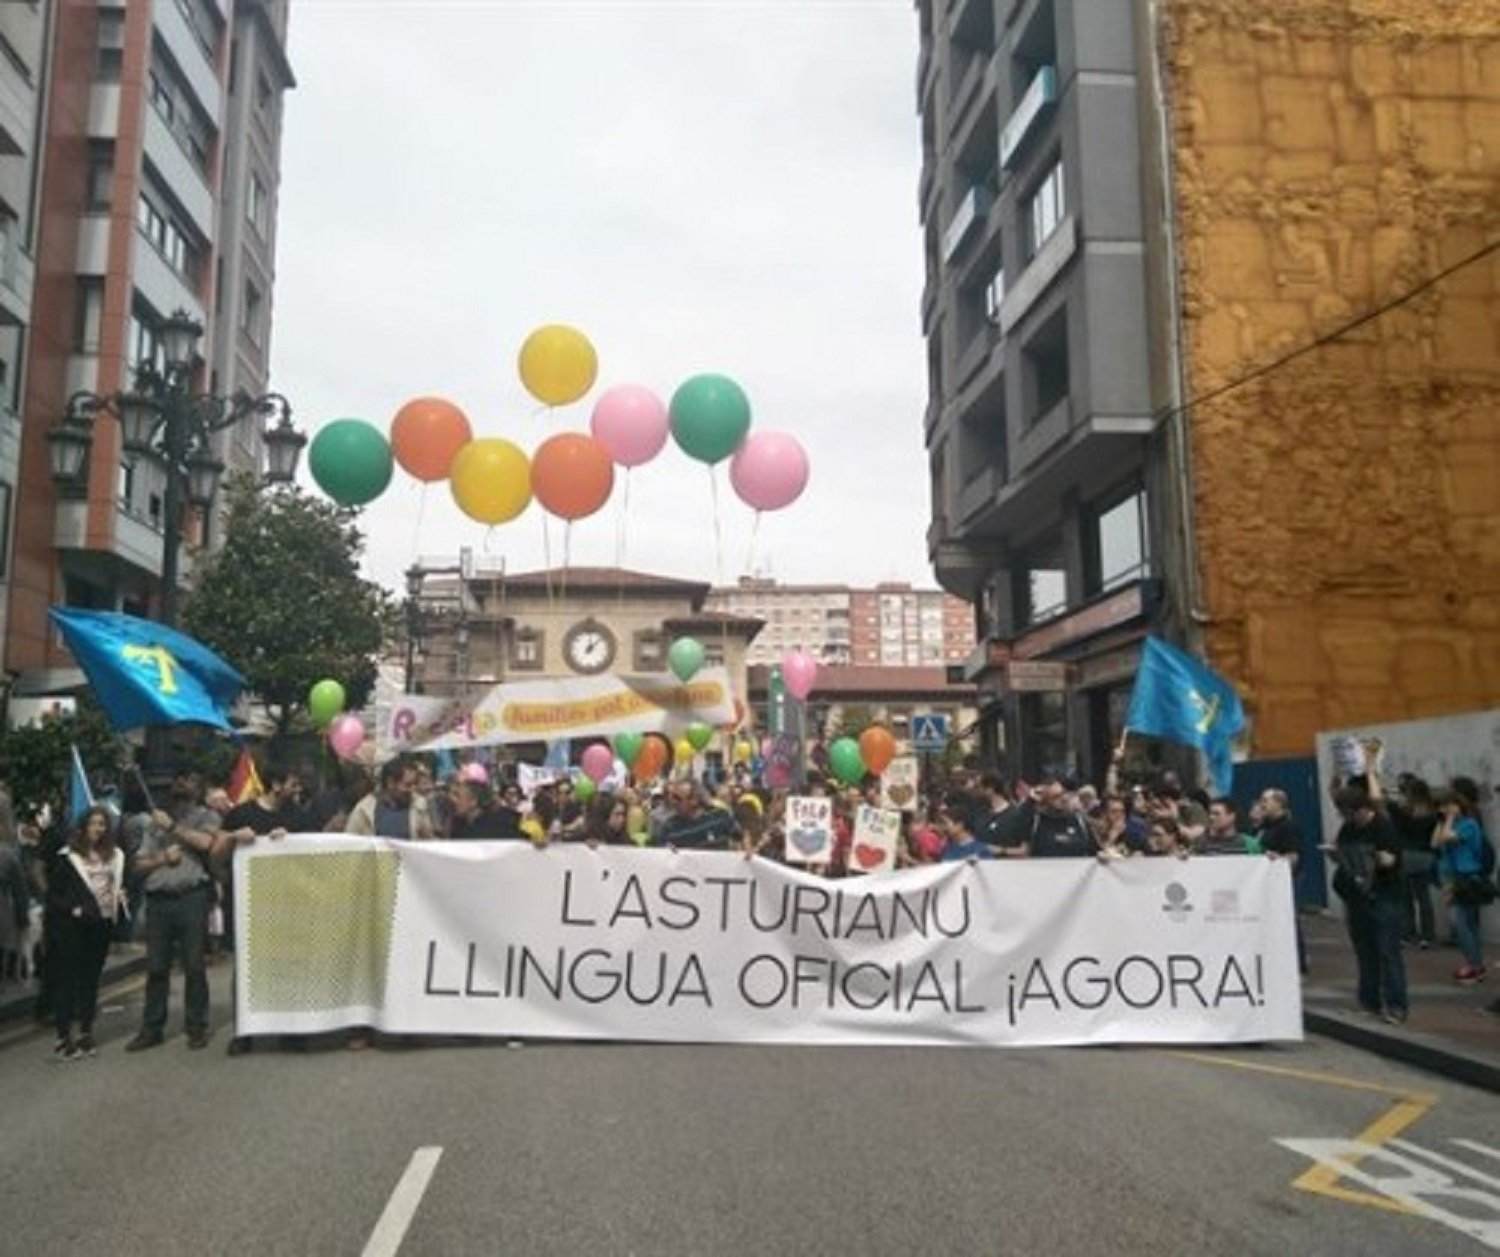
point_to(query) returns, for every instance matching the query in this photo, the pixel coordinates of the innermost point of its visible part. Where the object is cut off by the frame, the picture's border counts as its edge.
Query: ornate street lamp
(162, 419)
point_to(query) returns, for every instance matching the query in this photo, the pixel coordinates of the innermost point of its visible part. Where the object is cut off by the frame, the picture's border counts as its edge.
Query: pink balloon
(799, 670)
(769, 470)
(477, 773)
(598, 762)
(631, 423)
(346, 735)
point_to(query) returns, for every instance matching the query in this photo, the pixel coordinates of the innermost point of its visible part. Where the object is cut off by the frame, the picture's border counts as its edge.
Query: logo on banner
(1224, 909)
(1177, 906)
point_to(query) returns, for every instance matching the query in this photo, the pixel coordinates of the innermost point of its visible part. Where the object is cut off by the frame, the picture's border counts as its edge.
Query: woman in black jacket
(85, 896)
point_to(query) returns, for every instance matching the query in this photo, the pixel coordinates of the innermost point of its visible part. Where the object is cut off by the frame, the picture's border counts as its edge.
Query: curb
(19, 1007)
(1420, 1050)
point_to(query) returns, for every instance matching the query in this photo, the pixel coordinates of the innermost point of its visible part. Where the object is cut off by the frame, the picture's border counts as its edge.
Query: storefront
(1057, 694)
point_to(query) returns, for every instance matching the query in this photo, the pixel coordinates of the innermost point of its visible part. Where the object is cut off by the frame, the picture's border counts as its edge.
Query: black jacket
(69, 895)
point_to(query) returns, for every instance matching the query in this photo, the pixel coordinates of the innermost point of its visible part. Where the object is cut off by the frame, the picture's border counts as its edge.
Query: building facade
(1132, 206)
(473, 627)
(891, 625)
(161, 117)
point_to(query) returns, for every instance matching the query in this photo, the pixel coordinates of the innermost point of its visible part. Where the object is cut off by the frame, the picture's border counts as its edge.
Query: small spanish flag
(244, 781)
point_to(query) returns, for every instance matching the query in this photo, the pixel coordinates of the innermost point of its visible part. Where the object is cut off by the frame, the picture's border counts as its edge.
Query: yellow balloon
(491, 480)
(743, 752)
(558, 364)
(684, 751)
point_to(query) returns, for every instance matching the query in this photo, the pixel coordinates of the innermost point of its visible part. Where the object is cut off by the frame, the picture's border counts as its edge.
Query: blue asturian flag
(1181, 699)
(559, 754)
(144, 673)
(80, 796)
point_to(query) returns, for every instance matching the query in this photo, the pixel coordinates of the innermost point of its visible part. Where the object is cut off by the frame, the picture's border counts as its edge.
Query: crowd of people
(67, 890)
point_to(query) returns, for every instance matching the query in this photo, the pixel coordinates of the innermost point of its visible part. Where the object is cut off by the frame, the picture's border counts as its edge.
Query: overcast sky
(703, 185)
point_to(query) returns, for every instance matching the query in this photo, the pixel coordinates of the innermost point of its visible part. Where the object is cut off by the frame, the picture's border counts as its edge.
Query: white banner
(496, 938)
(551, 708)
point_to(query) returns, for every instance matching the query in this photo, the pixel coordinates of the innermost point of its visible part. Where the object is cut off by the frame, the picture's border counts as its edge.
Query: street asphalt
(639, 1149)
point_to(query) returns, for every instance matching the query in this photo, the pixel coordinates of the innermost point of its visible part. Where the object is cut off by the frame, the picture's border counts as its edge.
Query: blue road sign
(929, 732)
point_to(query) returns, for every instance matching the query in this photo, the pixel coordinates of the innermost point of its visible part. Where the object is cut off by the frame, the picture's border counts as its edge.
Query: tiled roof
(601, 579)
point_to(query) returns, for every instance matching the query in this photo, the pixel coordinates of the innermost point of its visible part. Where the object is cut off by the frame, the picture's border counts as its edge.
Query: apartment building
(890, 625)
(160, 151)
(1212, 354)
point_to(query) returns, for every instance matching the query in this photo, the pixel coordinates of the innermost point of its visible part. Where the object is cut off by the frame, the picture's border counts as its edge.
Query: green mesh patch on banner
(320, 927)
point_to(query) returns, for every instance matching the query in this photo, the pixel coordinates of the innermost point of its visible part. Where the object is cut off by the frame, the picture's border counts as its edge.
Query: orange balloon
(877, 748)
(572, 475)
(651, 760)
(426, 434)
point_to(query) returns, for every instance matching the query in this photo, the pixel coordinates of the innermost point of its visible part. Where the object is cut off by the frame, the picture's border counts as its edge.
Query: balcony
(1055, 254)
(17, 107)
(163, 287)
(104, 111)
(967, 91)
(17, 279)
(969, 214)
(924, 74)
(181, 176)
(1025, 122)
(982, 488)
(197, 66)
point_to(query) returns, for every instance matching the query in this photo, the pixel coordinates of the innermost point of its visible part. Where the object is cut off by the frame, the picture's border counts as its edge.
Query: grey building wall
(259, 77)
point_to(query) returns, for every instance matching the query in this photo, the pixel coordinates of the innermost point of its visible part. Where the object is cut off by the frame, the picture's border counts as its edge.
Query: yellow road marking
(1325, 1180)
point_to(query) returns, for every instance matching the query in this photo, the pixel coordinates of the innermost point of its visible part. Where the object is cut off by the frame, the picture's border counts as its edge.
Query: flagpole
(145, 789)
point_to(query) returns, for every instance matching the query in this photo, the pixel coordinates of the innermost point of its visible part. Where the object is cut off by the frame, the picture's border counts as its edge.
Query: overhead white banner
(496, 938)
(551, 708)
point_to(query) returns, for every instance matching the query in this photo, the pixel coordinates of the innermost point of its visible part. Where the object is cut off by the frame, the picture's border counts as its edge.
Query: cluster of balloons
(325, 704)
(851, 761)
(571, 474)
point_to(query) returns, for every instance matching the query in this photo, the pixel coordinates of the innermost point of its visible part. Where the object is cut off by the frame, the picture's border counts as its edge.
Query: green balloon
(325, 701)
(710, 417)
(351, 461)
(699, 734)
(847, 763)
(584, 789)
(628, 747)
(685, 657)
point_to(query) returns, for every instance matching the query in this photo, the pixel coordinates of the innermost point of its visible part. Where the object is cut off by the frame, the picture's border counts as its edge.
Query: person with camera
(1467, 885)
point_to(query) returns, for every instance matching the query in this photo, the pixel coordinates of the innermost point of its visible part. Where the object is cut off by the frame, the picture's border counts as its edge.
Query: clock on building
(589, 647)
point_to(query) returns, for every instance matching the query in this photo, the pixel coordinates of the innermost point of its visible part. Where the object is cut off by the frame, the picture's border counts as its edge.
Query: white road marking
(1448, 1163)
(401, 1208)
(1473, 1145)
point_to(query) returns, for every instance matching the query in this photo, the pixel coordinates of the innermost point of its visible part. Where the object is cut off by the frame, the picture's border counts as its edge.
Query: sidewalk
(18, 999)
(1448, 1031)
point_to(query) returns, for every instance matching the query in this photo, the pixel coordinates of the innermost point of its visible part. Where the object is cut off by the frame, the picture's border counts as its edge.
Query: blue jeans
(1375, 930)
(1465, 919)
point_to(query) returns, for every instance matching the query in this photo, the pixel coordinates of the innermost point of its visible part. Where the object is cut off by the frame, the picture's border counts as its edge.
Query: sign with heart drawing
(809, 830)
(877, 831)
(898, 784)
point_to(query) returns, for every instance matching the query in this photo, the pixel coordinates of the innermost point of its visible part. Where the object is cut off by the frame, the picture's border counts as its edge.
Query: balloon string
(567, 555)
(713, 488)
(416, 532)
(547, 561)
(623, 536)
(488, 544)
(750, 555)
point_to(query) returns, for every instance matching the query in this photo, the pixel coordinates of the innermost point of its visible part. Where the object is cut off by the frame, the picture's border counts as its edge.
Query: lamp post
(414, 578)
(162, 419)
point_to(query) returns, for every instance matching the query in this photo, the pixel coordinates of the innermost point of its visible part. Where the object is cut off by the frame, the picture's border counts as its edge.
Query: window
(1046, 209)
(101, 174)
(526, 650)
(994, 294)
(1121, 542)
(145, 343)
(250, 312)
(5, 494)
(713, 653)
(153, 223)
(1040, 583)
(111, 54)
(255, 203)
(88, 314)
(161, 97)
(125, 486)
(649, 651)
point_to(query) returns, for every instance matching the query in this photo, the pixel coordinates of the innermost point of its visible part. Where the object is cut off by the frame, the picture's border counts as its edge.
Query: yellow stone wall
(1330, 156)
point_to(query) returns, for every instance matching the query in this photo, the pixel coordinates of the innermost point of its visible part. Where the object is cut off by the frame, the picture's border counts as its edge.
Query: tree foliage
(283, 600)
(35, 759)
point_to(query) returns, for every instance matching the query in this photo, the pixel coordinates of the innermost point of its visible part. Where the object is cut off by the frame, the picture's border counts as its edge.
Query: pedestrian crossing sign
(929, 732)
